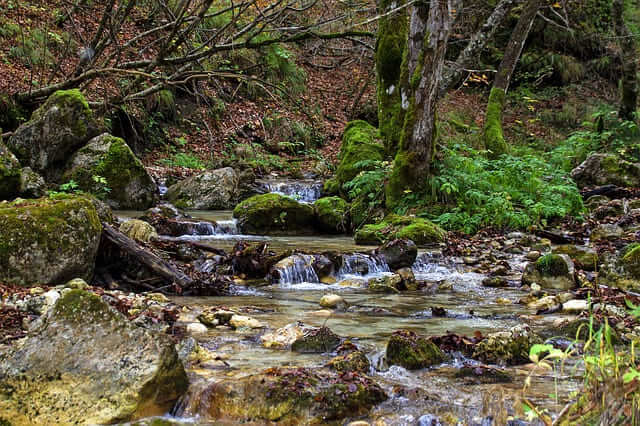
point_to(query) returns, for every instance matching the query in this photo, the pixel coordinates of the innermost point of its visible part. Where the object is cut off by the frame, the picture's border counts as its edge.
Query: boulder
(138, 230)
(10, 174)
(353, 361)
(316, 340)
(211, 190)
(332, 215)
(409, 281)
(421, 231)
(585, 257)
(48, 241)
(606, 169)
(411, 351)
(60, 126)
(32, 185)
(108, 168)
(606, 232)
(333, 301)
(273, 214)
(554, 271)
(241, 321)
(399, 253)
(507, 347)
(97, 368)
(385, 284)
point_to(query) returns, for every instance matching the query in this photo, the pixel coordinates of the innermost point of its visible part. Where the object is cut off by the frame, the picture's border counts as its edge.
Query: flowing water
(305, 191)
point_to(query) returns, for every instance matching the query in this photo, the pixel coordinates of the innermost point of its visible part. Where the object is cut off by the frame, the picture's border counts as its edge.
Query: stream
(368, 322)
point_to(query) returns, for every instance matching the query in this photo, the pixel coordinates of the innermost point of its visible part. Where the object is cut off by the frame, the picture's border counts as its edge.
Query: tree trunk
(429, 28)
(627, 43)
(493, 136)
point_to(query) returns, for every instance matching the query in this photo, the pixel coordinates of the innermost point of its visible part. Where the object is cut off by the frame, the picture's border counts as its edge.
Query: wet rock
(575, 306)
(606, 169)
(333, 301)
(323, 266)
(273, 214)
(385, 284)
(547, 303)
(408, 279)
(97, 368)
(507, 347)
(421, 231)
(482, 374)
(496, 282)
(411, 351)
(10, 174)
(139, 230)
(316, 340)
(241, 321)
(294, 269)
(354, 361)
(332, 215)
(215, 317)
(533, 255)
(211, 190)
(289, 396)
(585, 257)
(606, 232)
(284, 337)
(60, 126)
(555, 271)
(623, 270)
(48, 241)
(399, 253)
(196, 328)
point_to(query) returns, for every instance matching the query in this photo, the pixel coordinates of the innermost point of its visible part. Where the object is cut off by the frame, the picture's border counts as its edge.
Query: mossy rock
(316, 340)
(353, 361)
(48, 241)
(273, 214)
(507, 347)
(60, 126)
(607, 169)
(139, 230)
(411, 351)
(10, 174)
(211, 190)
(362, 213)
(127, 184)
(420, 231)
(554, 271)
(98, 368)
(585, 257)
(360, 143)
(332, 215)
(623, 271)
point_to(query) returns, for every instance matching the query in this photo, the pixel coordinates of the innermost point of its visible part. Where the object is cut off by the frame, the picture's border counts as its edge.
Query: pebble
(533, 255)
(240, 321)
(332, 301)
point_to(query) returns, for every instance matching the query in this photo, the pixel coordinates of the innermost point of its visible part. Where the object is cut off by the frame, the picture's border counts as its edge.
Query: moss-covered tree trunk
(390, 46)
(493, 135)
(628, 55)
(429, 28)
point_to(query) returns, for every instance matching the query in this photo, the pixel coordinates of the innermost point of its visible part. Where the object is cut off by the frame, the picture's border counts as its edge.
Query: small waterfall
(362, 264)
(295, 269)
(426, 263)
(304, 191)
(227, 227)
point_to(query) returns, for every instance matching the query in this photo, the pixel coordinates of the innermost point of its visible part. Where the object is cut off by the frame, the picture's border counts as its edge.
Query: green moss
(552, 265)
(493, 136)
(332, 214)
(80, 306)
(420, 231)
(67, 100)
(273, 214)
(413, 352)
(631, 259)
(354, 361)
(331, 187)
(360, 145)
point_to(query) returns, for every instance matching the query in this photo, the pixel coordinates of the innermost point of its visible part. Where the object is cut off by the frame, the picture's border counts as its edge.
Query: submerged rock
(606, 169)
(399, 253)
(411, 351)
(48, 241)
(211, 190)
(507, 347)
(555, 271)
(97, 368)
(273, 214)
(421, 231)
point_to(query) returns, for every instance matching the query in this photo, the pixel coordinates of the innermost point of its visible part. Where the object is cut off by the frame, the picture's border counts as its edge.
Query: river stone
(554, 271)
(333, 301)
(316, 340)
(273, 214)
(546, 303)
(97, 368)
(399, 253)
(575, 306)
(585, 257)
(606, 169)
(606, 231)
(139, 230)
(48, 241)
(10, 174)
(507, 347)
(409, 281)
(411, 351)
(352, 361)
(284, 337)
(128, 184)
(241, 321)
(60, 126)
(211, 190)
(385, 284)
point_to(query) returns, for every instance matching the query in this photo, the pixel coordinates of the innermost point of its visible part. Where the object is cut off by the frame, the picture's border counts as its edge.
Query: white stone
(196, 328)
(575, 306)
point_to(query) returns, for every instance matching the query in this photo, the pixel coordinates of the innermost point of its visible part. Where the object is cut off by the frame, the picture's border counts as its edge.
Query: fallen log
(557, 238)
(145, 257)
(611, 191)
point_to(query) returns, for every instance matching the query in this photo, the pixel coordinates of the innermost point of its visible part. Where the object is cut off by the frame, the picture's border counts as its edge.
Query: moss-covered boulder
(86, 364)
(10, 174)
(332, 215)
(107, 167)
(411, 351)
(48, 241)
(388, 283)
(554, 271)
(507, 347)
(584, 257)
(352, 361)
(60, 126)
(623, 271)
(420, 231)
(139, 230)
(316, 340)
(211, 190)
(605, 169)
(361, 146)
(288, 396)
(273, 214)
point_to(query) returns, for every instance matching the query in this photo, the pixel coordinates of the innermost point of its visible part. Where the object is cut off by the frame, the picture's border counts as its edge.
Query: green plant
(70, 187)
(101, 187)
(182, 159)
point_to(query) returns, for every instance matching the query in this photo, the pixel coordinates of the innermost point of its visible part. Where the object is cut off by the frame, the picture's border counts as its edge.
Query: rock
(354, 361)
(48, 241)
(547, 303)
(333, 301)
(60, 126)
(533, 255)
(316, 340)
(385, 284)
(606, 169)
(139, 230)
(409, 281)
(77, 284)
(196, 328)
(211, 190)
(332, 215)
(411, 351)
(496, 282)
(324, 267)
(215, 317)
(482, 374)
(611, 209)
(421, 231)
(10, 174)
(399, 253)
(32, 185)
(273, 214)
(97, 368)
(606, 231)
(585, 257)
(554, 271)
(596, 201)
(575, 306)
(108, 168)
(536, 289)
(283, 337)
(623, 271)
(507, 347)
(241, 321)
(289, 396)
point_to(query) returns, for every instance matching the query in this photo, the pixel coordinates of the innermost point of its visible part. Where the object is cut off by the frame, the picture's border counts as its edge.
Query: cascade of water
(302, 191)
(362, 264)
(296, 269)
(228, 227)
